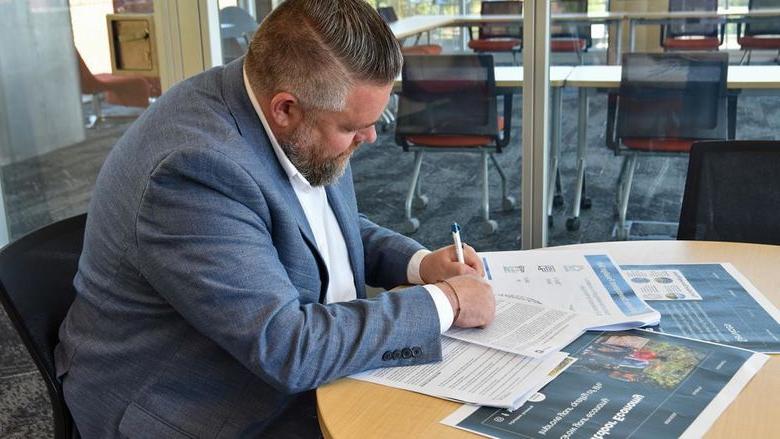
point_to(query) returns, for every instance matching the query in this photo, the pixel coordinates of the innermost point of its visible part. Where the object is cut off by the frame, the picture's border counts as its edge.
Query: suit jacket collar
(249, 126)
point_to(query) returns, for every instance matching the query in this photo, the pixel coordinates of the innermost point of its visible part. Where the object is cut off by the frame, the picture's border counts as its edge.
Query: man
(224, 260)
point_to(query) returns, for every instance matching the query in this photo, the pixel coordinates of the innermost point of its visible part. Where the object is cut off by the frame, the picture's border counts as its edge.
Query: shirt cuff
(443, 307)
(413, 269)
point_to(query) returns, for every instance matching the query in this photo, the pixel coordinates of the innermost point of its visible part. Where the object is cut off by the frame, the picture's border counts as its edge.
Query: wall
(40, 97)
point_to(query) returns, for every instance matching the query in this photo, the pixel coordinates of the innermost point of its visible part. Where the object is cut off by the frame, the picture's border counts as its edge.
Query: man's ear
(286, 111)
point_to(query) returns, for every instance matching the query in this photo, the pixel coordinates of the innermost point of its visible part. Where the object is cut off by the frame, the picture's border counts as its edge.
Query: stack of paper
(544, 301)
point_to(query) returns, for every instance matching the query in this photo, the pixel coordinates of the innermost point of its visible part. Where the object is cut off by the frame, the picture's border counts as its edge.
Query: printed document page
(473, 374)
(525, 328)
(575, 280)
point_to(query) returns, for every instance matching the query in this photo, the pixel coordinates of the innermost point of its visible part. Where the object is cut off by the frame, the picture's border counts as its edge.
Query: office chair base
(410, 225)
(572, 224)
(508, 203)
(420, 202)
(489, 227)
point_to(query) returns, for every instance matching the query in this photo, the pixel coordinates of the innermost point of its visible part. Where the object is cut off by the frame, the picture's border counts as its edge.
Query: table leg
(555, 113)
(573, 222)
(631, 35)
(732, 114)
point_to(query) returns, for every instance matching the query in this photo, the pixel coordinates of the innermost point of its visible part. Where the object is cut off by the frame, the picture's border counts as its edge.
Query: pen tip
(455, 227)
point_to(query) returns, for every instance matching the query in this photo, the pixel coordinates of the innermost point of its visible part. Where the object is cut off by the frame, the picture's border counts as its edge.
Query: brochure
(638, 384)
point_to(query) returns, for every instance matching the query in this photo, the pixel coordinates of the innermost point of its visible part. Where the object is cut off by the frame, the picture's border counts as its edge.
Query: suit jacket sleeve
(387, 254)
(205, 242)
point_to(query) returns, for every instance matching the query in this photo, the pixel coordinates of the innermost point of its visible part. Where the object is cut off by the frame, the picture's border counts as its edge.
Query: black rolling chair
(666, 102)
(759, 33)
(693, 36)
(732, 192)
(448, 103)
(36, 289)
(499, 38)
(570, 37)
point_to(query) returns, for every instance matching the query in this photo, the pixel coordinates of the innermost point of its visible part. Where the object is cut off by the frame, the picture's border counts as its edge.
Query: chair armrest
(504, 140)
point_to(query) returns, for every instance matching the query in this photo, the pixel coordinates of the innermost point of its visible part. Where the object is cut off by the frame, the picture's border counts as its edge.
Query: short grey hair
(318, 49)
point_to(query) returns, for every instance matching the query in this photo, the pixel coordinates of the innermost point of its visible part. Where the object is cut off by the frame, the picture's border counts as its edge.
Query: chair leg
(97, 112)
(489, 226)
(624, 190)
(744, 55)
(412, 224)
(420, 200)
(508, 202)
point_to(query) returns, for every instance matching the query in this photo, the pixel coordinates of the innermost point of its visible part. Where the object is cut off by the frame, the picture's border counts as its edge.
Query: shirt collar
(290, 169)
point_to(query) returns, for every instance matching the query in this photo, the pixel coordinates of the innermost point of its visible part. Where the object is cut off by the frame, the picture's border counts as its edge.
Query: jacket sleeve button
(396, 354)
(387, 356)
(416, 351)
(406, 353)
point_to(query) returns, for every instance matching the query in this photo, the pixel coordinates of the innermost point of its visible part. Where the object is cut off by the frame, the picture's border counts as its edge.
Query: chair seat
(455, 141)
(567, 44)
(495, 44)
(759, 42)
(706, 43)
(659, 145)
(422, 49)
(131, 91)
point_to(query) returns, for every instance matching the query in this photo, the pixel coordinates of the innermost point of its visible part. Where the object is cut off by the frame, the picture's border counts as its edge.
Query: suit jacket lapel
(252, 130)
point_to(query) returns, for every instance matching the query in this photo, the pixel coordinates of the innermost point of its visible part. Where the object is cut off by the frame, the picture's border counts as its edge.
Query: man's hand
(472, 300)
(443, 264)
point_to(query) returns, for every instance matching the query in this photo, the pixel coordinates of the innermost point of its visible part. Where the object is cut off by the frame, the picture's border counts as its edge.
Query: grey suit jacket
(200, 288)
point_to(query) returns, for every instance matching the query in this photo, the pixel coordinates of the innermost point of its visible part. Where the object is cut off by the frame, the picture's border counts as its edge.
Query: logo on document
(514, 268)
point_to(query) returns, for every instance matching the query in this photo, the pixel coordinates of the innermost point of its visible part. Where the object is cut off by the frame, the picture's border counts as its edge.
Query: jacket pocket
(139, 423)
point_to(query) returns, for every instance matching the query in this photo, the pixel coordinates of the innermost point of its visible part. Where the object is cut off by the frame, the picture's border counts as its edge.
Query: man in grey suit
(225, 262)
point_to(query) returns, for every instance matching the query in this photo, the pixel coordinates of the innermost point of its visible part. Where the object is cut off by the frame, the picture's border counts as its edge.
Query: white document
(525, 328)
(473, 374)
(584, 282)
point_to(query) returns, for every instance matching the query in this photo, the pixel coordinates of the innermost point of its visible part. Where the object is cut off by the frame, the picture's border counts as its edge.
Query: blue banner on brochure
(619, 290)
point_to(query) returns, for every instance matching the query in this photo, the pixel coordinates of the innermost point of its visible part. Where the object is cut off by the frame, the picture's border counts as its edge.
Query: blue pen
(457, 242)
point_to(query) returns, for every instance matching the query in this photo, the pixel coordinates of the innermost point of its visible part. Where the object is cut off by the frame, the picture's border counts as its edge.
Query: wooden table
(355, 409)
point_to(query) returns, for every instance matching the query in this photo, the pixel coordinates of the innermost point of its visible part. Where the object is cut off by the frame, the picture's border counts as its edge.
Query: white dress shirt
(330, 240)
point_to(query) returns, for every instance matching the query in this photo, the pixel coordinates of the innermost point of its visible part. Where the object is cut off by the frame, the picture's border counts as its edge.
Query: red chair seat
(422, 49)
(707, 43)
(759, 43)
(659, 145)
(455, 141)
(495, 44)
(567, 44)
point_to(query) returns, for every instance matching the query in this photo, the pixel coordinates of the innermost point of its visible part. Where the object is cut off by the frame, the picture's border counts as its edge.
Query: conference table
(754, 79)
(355, 409)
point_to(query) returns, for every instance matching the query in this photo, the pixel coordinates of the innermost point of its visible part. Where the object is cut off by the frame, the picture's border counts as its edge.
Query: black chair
(499, 38)
(448, 103)
(693, 36)
(36, 289)
(570, 37)
(665, 103)
(732, 192)
(760, 33)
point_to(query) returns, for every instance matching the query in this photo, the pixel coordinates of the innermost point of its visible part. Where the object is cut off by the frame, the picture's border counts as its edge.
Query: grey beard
(318, 172)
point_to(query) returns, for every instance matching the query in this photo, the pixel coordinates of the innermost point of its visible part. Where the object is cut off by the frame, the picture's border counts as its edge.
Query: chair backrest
(89, 84)
(692, 29)
(732, 192)
(511, 7)
(387, 13)
(763, 26)
(447, 95)
(673, 96)
(568, 30)
(36, 290)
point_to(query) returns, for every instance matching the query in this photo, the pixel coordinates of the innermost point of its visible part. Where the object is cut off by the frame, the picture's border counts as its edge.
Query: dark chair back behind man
(36, 289)
(732, 192)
